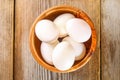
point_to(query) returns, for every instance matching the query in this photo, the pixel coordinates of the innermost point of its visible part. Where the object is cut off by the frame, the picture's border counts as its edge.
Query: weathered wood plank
(25, 67)
(110, 39)
(91, 71)
(6, 39)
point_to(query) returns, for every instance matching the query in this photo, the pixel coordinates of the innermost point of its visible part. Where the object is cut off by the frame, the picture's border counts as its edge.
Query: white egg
(46, 31)
(78, 29)
(47, 50)
(63, 56)
(61, 21)
(79, 48)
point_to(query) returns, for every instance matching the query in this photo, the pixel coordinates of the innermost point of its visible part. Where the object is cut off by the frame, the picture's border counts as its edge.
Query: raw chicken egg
(61, 21)
(78, 30)
(63, 56)
(47, 50)
(79, 48)
(46, 31)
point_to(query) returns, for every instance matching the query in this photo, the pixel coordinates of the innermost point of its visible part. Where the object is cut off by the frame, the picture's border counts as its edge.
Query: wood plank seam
(14, 39)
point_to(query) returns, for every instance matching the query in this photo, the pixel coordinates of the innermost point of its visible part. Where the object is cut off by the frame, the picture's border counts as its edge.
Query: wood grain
(110, 40)
(25, 67)
(6, 39)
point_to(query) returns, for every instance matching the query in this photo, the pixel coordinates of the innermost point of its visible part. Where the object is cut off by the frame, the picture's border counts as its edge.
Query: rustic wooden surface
(16, 61)
(6, 39)
(110, 40)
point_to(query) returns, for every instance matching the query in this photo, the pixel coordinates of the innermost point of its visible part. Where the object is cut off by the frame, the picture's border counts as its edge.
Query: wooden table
(16, 61)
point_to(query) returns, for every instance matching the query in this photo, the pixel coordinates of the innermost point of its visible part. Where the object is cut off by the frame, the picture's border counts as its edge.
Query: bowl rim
(78, 12)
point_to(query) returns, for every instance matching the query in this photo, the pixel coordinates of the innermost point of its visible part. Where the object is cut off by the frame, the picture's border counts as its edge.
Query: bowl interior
(51, 14)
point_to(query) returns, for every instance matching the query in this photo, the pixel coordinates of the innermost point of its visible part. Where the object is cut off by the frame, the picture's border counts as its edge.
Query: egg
(79, 48)
(46, 31)
(78, 29)
(61, 21)
(47, 50)
(63, 56)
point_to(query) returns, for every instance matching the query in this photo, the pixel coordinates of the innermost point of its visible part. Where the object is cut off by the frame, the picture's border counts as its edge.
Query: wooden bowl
(51, 14)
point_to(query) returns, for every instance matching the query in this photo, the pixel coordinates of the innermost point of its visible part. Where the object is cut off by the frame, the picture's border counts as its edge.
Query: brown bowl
(51, 14)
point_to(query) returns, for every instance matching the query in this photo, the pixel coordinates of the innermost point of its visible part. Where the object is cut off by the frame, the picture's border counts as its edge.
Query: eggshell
(78, 29)
(63, 56)
(47, 50)
(79, 48)
(46, 31)
(61, 21)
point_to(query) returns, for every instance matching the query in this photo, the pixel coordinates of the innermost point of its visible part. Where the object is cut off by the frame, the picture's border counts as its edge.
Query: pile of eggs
(73, 32)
